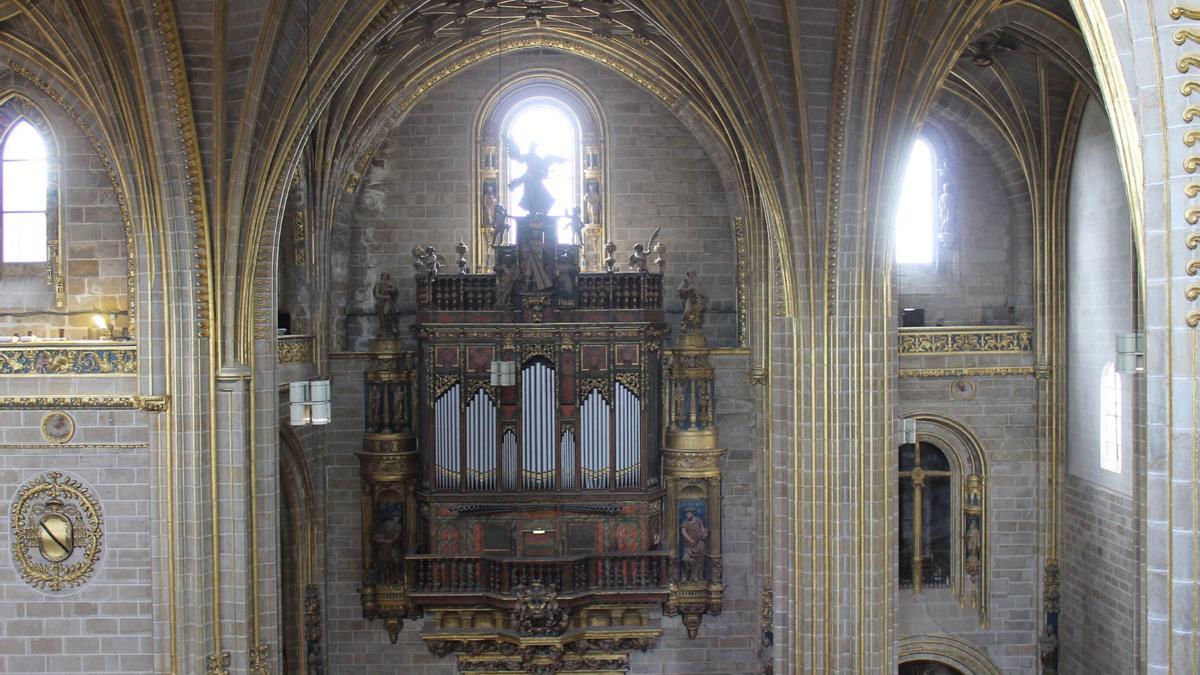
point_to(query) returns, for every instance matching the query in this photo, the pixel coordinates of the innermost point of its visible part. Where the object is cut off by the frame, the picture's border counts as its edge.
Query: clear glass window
(551, 125)
(25, 178)
(917, 211)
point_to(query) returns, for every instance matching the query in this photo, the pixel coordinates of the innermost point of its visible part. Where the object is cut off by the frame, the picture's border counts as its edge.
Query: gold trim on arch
(947, 650)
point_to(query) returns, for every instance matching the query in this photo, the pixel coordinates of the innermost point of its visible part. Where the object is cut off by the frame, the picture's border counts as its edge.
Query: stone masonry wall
(419, 191)
(1101, 586)
(1003, 414)
(107, 625)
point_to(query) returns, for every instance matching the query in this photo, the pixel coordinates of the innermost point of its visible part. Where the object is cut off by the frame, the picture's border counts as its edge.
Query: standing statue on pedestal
(591, 203)
(695, 546)
(695, 302)
(386, 312)
(536, 199)
(389, 549)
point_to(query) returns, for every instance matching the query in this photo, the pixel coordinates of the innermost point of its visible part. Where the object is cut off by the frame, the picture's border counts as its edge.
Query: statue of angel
(641, 252)
(536, 198)
(427, 261)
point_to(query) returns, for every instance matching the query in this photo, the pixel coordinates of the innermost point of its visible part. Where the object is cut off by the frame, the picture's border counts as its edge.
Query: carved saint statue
(576, 227)
(1048, 649)
(695, 302)
(389, 548)
(591, 203)
(386, 312)
(536, 198)
(489, 204)
(506, 278)
(974, 538)
(946, 217)
(695, 546)
(537, 266)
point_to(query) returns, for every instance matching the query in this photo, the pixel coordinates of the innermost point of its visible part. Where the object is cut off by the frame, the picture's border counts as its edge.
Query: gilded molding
(57, 530)
(217, 664)
(69, 360)
(1010, 371)
(85, 402)
(965, 340)
(185, 126)
(529, 42)
(295, 349)
(73, 446)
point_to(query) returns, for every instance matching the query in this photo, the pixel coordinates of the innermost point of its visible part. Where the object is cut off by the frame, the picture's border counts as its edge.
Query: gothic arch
(951, 651)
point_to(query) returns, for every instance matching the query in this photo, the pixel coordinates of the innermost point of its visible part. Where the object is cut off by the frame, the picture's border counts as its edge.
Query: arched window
(547, 126)
(925, 516)
(24, 195)
(563, 119)
(1110, 418)
(917, 212)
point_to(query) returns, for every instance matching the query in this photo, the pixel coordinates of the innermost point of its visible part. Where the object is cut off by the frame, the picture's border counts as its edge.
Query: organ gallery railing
(571, 575)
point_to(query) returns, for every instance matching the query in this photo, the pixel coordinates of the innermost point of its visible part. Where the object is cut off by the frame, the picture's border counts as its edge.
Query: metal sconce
(309, 403)
(504, 373)
(1131, 353)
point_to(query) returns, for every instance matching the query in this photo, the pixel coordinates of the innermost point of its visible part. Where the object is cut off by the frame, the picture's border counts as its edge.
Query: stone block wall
(95, 248)
(105, 626)
(419, 190)
(1003, 414)
(1100, 584)
(1100, 539)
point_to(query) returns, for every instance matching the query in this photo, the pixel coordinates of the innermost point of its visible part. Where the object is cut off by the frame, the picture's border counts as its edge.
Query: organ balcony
(513, 486)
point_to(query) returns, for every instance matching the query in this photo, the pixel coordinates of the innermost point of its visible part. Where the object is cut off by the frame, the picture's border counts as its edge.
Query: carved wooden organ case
(514, 486)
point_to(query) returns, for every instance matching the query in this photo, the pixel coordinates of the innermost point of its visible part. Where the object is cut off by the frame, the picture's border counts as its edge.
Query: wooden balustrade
(569, 574)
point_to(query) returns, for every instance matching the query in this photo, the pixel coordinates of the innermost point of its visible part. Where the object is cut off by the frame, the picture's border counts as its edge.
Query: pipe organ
(512, 509)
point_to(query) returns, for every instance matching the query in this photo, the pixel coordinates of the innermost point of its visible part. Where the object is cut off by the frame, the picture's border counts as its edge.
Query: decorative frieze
(966, 340)
(68, 359)
(294, 349)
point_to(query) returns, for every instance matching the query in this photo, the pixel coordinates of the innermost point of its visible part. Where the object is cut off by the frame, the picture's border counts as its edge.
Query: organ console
(514, 491)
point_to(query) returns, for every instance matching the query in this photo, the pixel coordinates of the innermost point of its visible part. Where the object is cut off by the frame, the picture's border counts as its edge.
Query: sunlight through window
(24, 195)
(545, 122)
(918, 209)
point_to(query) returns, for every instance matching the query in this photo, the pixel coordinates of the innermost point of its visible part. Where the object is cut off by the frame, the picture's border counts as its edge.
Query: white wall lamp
(309, 402)
(504, 373)
(908, 431)
(1131, 353)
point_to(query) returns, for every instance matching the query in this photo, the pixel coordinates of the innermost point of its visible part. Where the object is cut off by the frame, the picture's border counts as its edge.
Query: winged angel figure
(536, 198)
